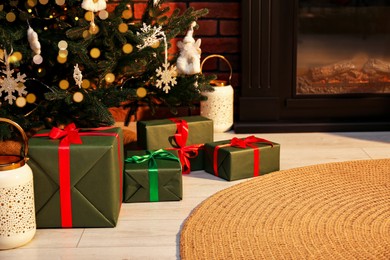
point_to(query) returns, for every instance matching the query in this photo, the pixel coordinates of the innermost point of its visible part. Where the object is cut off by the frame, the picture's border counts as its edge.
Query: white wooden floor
(151, 230)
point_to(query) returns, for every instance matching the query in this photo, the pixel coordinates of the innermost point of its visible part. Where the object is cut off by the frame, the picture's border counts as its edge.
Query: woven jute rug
(327, 211)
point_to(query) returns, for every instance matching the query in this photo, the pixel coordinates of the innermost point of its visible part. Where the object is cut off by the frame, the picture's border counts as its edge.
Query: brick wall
(220, 32)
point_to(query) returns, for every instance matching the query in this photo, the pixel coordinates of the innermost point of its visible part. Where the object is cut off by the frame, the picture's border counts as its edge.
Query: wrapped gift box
(148, 179)
(84, 190)
(163, 133)
(241, 158)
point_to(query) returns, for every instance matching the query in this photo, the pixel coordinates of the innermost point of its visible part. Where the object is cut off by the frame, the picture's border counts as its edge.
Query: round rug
(327, 211)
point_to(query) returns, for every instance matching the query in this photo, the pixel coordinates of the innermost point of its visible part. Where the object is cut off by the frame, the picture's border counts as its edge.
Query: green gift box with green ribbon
(184, 135)
(152, 176)
(78, 177)
(242, 158)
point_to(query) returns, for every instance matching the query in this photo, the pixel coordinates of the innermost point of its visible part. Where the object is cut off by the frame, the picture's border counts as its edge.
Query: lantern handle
(221, 57)
(23, 134)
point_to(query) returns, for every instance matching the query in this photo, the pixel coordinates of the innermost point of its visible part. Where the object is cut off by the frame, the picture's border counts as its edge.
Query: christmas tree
(69, 61)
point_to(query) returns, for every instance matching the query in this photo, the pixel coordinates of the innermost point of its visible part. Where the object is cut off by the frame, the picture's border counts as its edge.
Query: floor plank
(151, 230)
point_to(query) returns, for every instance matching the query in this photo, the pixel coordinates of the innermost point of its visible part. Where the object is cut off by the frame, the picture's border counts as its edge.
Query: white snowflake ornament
(168, 77)
(150, 35)
(9, 84)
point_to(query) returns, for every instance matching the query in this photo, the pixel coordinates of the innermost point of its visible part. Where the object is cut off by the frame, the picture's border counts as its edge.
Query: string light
(95, 53)
(78, 97)
(31, 98)
(110, 77)
(64, 84)
(20, 101)
(123, 28)
(10, 17)
(127, 48)
(85, 83)
(141, 92)
(103, 14)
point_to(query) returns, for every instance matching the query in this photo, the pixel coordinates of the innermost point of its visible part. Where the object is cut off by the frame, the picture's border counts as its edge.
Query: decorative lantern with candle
(219, 104)
(17, 210)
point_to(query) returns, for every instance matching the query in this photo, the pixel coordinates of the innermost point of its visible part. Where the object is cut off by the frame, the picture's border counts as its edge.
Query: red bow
(68, 135)
(248, 141)
(184, 152)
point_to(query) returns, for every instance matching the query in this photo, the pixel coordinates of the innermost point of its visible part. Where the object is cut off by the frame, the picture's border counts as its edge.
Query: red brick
(230, 28)
(207, 27)
(219, 10)
(139, 10)
(220, 45)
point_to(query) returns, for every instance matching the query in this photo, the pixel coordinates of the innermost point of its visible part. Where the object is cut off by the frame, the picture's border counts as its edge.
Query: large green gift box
(241, 158)
(152, 176)
(184, 135)
(77, 177)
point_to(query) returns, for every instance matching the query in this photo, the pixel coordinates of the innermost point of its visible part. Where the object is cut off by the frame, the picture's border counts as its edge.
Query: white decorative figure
(188, 62)
(94, 5)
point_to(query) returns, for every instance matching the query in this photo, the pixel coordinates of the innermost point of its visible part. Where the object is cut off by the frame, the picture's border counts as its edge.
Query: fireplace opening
(343, 47)
(314, 65)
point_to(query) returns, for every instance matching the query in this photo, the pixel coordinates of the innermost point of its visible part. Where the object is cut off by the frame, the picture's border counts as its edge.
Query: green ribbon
(151, 158)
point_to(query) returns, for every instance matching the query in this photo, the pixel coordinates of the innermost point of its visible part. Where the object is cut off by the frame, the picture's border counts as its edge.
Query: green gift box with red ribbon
(184, 136)
(152, 176)
(242, 158)
(78, 176)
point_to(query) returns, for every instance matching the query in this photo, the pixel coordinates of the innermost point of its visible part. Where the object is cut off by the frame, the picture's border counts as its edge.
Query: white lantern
(17, 210)
(219, 104)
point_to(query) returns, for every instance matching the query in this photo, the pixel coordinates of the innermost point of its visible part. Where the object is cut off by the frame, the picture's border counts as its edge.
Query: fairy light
(110, 77)
(43, 2)
(63, 84)
(103, 14)
(20, 101)
(85, 83)
(31, 98)
(10, 17)
(123, 27)
(78, 97)
(95, 53)
(127, 48)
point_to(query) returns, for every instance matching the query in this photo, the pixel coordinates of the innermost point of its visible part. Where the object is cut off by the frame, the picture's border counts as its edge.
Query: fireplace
(314, 65)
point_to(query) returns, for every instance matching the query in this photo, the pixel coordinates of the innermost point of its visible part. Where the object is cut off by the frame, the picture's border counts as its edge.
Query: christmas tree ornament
(166, 74)
(220, 102)
(93, 6)
(17, 209)
(9, 84)
(77, 75)
(156, 3)
(35, 45)
(188, 62)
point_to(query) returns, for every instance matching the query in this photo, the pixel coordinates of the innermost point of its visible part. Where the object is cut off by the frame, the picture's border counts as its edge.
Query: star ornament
(167, 75)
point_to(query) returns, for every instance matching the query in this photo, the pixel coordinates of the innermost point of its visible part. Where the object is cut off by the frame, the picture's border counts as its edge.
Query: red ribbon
(248, 142)
(71, 135)
(184, 152)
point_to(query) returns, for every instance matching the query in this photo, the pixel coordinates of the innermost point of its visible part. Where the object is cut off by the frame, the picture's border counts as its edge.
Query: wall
(220, 32)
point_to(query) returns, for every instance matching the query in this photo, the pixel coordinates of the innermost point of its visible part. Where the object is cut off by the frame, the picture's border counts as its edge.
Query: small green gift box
(152, 176)
(184, 135)
(77, 177)
(242, 158)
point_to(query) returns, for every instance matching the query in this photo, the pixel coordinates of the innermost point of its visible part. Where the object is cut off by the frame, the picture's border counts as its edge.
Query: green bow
(151, 157)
